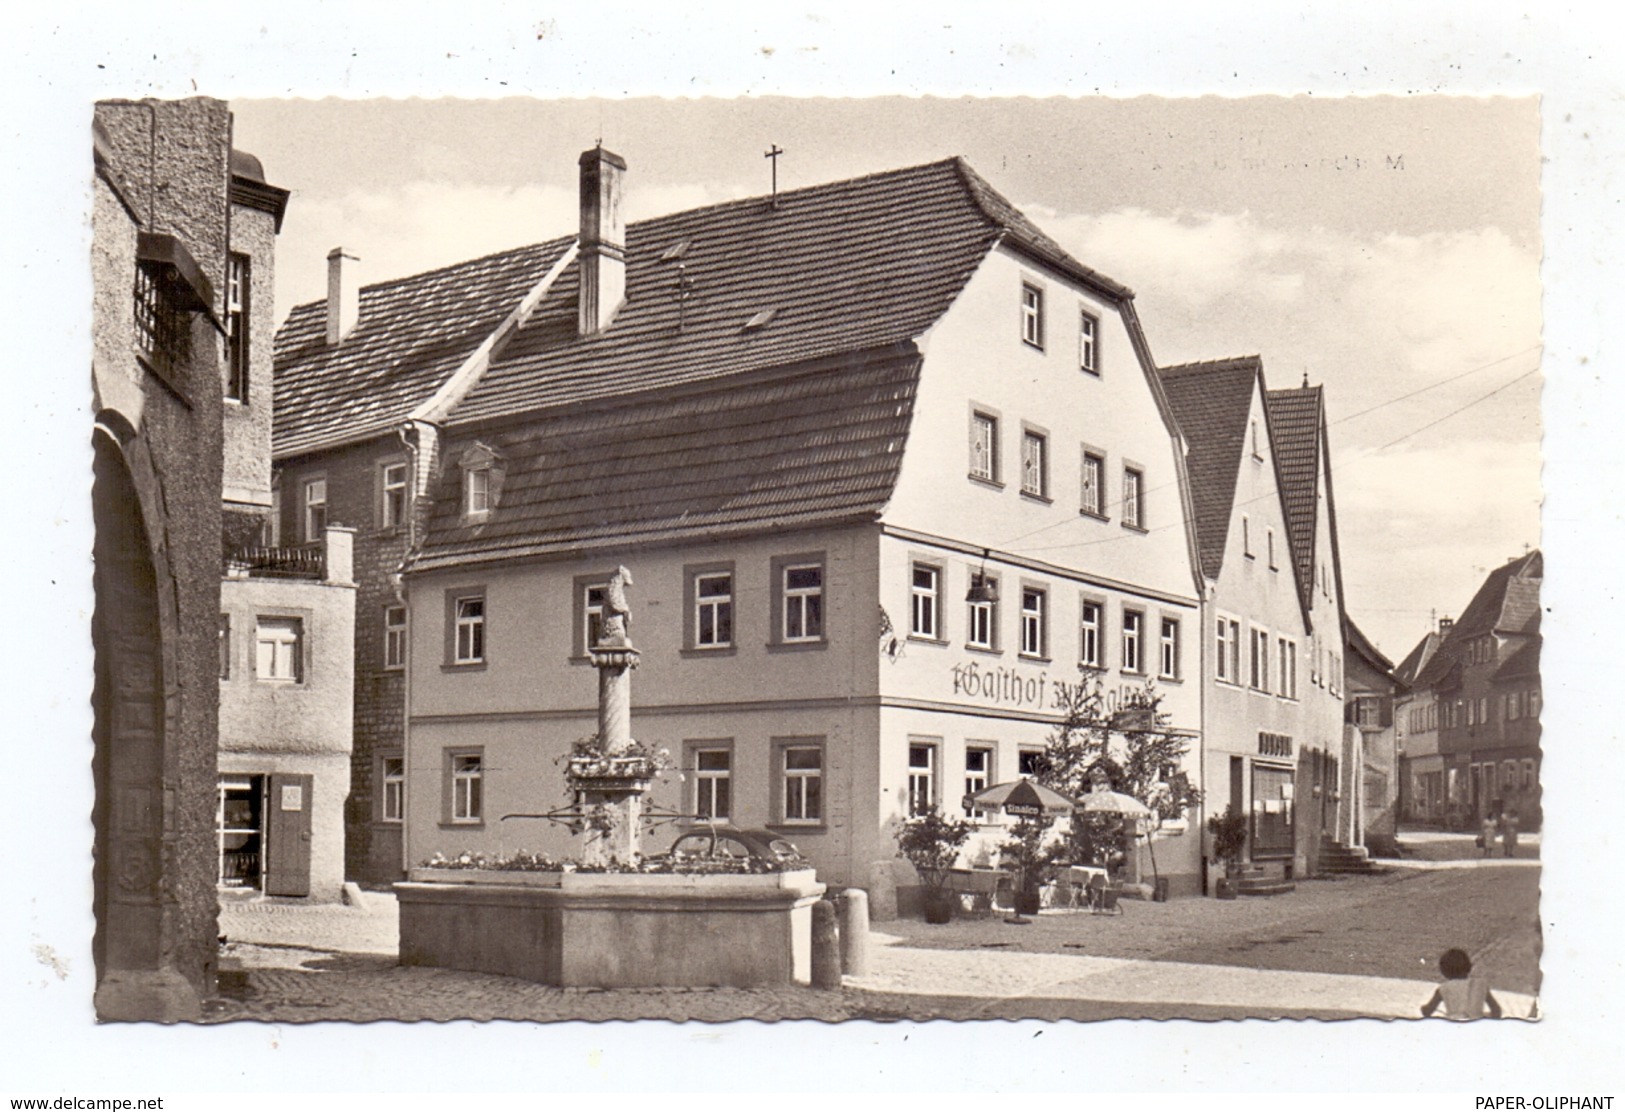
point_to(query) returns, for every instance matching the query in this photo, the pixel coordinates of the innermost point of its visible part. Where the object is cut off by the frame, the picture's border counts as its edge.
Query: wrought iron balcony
(304, 561)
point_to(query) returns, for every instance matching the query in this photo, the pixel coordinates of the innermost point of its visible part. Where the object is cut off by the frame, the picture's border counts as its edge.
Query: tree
(1127, 744)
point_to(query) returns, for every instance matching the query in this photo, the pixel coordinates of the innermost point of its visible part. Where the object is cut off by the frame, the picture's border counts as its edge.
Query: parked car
(732, 842)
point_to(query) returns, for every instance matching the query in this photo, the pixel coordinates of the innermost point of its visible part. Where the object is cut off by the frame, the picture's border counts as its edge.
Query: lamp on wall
(981, 590)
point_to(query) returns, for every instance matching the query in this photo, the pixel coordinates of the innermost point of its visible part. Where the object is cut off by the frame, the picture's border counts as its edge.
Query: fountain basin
(612, 930)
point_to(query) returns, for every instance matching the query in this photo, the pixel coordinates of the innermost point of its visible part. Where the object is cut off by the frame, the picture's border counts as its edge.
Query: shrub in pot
(1025, 849)
(1229, 834)
(931, 842)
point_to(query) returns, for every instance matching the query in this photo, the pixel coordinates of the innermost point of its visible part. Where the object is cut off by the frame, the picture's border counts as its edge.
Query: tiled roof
(1211, 401)
(1295, 427)
(411, 335)
(768, 452)
(1523, 663)
(1359, 643)
(1411, 667)
(847, 266)
(1507, 602)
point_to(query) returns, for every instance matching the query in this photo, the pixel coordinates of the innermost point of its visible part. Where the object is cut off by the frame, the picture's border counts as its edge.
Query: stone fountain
(604, 924)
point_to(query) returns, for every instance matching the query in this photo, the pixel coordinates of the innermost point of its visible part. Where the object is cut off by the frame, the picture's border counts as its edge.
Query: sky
(1387, 248)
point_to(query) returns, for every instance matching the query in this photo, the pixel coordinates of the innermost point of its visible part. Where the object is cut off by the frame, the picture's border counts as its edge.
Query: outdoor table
(981, 885)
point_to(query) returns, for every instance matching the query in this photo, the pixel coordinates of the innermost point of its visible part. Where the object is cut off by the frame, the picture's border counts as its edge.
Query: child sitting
(1463, 996)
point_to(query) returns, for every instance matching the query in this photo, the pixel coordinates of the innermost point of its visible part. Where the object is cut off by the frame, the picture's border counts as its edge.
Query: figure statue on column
(617, 613)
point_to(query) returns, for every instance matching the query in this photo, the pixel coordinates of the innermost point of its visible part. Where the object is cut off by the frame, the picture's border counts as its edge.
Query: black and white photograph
(1047, 554)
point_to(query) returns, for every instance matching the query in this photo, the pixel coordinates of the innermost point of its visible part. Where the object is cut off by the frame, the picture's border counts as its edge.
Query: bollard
(853, 904)
(826, 946)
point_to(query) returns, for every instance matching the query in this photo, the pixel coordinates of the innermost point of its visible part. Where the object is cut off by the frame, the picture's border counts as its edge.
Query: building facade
(1422, 796)
(1259, 705)
(1368, 679)
(160, 247)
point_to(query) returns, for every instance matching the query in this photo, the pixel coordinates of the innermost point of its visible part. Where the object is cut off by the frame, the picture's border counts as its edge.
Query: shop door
(287, 835)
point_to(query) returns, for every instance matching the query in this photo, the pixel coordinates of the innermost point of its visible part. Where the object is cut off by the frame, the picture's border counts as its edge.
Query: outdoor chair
(1103, 896)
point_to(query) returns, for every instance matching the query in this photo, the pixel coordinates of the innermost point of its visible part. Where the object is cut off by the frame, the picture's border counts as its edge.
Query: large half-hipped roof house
(827, 295)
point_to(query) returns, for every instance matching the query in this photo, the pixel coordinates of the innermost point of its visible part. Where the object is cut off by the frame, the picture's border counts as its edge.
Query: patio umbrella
(1022, 798)
(1100, 801)
(1027, 801)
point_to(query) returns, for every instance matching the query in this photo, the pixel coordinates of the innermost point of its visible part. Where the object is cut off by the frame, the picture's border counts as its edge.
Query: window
(1090, 634)
(1133, 504)
(1032, 315)
(394, 637)
(225, 646)
(1287, 650)
(925, 602)
(161, 334)
(922, 777)
(1269, 543)
(1088, 341)
(278, 644)
(1033, 636)
(392, 495)
(711, 608)
(1511, 705)
(315, 509)
(1029, 762)
(468, 632)
(1257, 455)
(982, 623)
(713, 782)
(237, 327)
(984, 447)
(803, 784)
(1228, 663)
(1528, 774)
(1034, 464)
(1094, 470)
(978, 775)
(392, 801)
(1133, 626)
(592, 614)
(1246, 537)
(467, 787)
(477, 491)
(1260, 659)
(801, 591)
(1168, 660)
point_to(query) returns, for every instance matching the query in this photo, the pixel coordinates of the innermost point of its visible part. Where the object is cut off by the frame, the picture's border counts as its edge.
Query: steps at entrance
(1254, 881)
(1340, 859)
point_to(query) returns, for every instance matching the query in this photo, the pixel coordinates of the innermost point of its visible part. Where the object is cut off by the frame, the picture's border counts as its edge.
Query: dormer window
(482, 472)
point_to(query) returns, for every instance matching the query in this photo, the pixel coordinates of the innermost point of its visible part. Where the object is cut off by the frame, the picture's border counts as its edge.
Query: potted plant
(1229, 832)
(1025, 850)
(931, 843)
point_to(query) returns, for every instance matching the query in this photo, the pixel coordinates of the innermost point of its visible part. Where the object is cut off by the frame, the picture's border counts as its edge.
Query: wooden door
(287, 835)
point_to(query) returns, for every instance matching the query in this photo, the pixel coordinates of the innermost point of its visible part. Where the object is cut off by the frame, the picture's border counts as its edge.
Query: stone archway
(136, 973)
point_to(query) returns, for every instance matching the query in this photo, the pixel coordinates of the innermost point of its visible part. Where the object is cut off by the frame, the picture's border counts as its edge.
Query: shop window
(239, 830)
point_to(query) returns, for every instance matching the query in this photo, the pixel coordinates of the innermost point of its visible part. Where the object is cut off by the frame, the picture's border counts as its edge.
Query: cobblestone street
(1332, 948)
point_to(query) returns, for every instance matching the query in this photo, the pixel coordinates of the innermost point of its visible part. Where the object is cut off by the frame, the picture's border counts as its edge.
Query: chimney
(1445, 624)
(603, 240)
(343, 297)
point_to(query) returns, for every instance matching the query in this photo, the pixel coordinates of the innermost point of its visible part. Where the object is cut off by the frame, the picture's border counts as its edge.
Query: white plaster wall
(330, 786)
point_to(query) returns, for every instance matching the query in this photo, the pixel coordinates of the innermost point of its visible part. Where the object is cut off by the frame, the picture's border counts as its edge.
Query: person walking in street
(1463, 995)
(1509, 834)
(1486, 834)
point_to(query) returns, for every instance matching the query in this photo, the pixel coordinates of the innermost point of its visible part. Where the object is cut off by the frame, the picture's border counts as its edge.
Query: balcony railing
(304, 561)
